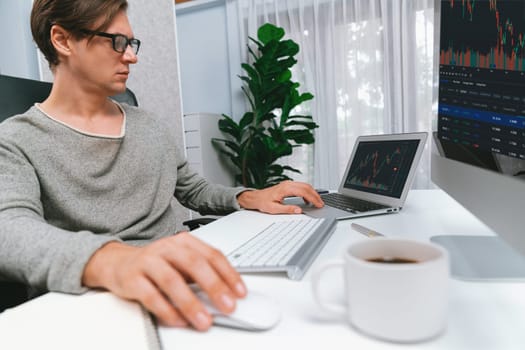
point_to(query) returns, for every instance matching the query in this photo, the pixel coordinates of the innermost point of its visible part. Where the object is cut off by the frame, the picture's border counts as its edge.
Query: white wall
(17, 50)
(203, 54)
(210, 66)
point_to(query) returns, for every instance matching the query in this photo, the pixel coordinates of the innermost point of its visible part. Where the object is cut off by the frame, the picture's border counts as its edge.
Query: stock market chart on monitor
(481, 116)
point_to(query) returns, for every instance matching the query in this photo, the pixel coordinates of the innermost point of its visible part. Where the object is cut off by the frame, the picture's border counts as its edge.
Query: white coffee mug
(402, 298)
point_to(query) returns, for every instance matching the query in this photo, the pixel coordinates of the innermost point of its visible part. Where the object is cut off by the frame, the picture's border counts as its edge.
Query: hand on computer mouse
(158, 278)
(255, 312)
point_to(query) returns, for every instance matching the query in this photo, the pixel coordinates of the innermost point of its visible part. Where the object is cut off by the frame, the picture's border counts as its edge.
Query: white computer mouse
(255, 312)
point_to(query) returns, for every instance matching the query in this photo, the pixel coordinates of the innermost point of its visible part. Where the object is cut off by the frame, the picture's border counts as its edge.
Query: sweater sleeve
(31, 250)
(196, 193)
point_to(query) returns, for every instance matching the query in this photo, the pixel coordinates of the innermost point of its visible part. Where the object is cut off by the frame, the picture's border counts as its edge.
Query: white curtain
(367, 62)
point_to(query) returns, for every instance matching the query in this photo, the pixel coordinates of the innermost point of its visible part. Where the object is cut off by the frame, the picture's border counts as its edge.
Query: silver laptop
(376, 180)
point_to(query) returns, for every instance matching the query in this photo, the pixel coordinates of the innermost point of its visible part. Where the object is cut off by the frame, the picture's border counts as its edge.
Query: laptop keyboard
(350, 204)
(275, 245)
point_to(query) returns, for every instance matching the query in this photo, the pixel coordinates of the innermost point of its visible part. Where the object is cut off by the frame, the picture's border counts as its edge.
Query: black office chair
(17, 95)
(198, 222)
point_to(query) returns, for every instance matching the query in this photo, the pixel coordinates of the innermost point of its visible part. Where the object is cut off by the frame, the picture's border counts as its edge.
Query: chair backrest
(17, 95)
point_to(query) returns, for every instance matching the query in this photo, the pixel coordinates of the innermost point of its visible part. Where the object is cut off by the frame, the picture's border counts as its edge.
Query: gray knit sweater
(65, 193)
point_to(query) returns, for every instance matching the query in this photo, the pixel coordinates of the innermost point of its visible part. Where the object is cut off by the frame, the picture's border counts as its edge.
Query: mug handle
(333, 308)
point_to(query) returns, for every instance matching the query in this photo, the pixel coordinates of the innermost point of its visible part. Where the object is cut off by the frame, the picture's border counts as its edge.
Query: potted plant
(270, 130)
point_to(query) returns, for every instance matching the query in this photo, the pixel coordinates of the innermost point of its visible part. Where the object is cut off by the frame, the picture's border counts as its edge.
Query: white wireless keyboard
(288, 246)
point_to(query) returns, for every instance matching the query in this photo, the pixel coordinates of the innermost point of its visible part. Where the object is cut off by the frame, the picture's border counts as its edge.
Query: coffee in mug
(392, 260)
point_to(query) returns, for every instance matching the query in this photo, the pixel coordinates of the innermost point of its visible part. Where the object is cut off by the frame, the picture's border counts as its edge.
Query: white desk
(481, 316)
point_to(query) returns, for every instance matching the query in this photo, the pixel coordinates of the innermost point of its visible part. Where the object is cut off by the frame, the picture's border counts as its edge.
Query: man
(86, 184)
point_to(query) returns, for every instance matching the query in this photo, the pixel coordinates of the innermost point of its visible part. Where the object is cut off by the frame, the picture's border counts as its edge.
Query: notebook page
(95, 320)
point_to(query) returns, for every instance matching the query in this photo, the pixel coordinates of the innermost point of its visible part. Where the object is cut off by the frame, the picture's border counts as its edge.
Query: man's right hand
(157, 275)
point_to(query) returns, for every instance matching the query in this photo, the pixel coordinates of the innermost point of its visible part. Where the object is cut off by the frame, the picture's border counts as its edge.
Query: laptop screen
(381, 167)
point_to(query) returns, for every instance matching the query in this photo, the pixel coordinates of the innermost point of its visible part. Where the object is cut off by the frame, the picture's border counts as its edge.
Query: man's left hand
(270, 200)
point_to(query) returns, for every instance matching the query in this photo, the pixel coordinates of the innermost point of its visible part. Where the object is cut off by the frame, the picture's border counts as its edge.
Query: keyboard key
(350, 204)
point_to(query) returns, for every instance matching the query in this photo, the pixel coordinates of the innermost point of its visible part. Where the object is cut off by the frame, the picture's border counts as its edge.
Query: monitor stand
(482, 258)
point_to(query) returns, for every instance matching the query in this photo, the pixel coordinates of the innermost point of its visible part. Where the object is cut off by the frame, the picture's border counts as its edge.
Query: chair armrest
(12, 294)
(196, 223)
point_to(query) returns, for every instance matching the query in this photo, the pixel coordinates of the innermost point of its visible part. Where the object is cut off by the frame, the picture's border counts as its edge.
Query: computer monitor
(478, 154)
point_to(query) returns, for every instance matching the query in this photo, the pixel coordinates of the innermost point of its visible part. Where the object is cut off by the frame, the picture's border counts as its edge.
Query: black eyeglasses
(120, 42)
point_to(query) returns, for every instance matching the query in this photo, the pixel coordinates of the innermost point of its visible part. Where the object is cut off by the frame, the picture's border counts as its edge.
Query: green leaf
(277, 179)
(285, 76)
(297, 116)
(252, 53)
(288, 48)
(252, 73)
(231, 145)
(289, 168)
(233, 157)
(300, 136)
(259, 44)
(228, 126)
(306, 96)
(247, 94)
(246, 120)
(275, 170)
(308, 125)
(268, 32)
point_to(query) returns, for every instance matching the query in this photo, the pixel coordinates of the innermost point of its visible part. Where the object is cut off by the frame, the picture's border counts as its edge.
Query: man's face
(98, 66)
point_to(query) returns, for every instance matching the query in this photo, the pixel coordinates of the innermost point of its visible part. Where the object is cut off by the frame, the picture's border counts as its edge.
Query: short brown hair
(72, 15)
